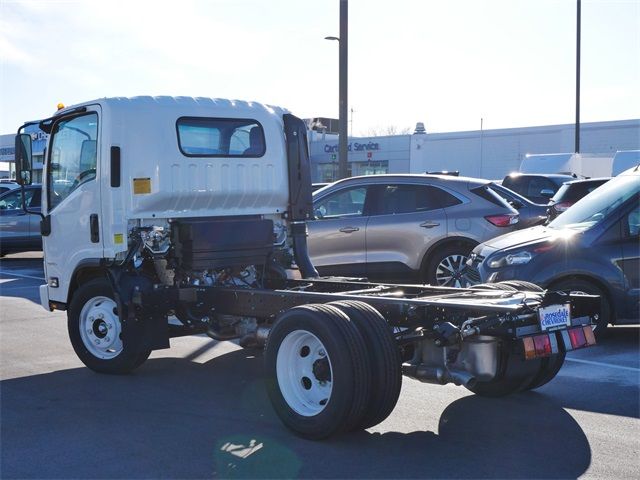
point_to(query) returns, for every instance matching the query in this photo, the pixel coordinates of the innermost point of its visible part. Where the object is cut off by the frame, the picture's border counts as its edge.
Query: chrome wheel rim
(452, 272)
(100, 328)
(304, 373)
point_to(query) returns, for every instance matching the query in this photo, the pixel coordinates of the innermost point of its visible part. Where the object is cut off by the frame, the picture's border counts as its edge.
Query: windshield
(598, 204)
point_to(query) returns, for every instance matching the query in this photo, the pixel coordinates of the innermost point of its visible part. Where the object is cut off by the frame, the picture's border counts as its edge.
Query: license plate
(555, 316)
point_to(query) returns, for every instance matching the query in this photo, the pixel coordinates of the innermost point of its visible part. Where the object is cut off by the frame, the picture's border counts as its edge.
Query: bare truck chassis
(137, 256)
(351, 341)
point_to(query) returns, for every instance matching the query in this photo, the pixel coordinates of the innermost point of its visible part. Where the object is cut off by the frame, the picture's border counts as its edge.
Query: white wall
(494, 153)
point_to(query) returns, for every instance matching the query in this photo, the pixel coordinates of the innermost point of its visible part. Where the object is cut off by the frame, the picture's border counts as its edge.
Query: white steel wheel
(317, 374)
(96, 332)
(304, 373)
(100, 328)
(451, 272)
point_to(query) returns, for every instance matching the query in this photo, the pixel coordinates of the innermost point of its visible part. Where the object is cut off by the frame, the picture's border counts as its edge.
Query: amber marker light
(60, 106)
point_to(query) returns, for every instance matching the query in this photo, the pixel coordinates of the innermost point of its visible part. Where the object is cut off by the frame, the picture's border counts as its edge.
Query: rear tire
(549, 368)
(384, 360)
(95, 330)
(317, 372)
(580, 285)
(522, 286)
(493, 286)
(514, 375)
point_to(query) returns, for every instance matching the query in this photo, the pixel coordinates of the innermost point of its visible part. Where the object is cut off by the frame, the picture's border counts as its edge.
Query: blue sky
(445, 63)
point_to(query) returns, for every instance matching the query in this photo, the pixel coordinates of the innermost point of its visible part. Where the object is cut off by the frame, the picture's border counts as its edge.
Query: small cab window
(73, 156)
(413, 198)
(345, 203)
(220, 137)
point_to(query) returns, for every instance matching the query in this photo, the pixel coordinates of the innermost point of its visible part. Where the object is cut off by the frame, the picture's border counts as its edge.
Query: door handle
(349, 229)
(429, 224)
(94, 228)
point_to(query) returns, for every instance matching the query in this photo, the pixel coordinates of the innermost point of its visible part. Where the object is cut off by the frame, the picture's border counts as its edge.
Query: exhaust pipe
(438, 375)
(255, 339)
(300, 252)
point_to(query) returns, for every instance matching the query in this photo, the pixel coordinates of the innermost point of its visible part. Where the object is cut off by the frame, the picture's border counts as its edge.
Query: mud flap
(143, 328)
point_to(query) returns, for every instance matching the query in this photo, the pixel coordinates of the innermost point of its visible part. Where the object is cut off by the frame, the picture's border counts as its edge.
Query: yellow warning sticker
(118, 238)
(141, 186)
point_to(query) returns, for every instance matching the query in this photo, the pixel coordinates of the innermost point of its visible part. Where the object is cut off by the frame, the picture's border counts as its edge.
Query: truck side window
(73, 158)
(220, 137)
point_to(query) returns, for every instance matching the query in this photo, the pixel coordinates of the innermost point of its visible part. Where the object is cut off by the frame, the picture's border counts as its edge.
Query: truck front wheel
(95, 330)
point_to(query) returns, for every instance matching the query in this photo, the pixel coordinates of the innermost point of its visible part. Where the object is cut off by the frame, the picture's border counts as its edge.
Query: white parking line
(20, 275)
(601, 364)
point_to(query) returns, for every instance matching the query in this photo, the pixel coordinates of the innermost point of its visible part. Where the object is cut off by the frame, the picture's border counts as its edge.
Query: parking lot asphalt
(199, 410)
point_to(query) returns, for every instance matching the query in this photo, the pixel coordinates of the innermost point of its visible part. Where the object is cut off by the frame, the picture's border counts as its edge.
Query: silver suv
(405, 228)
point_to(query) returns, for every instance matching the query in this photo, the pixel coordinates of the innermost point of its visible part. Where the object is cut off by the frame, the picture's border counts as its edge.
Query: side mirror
(547, 193)
(23, 159)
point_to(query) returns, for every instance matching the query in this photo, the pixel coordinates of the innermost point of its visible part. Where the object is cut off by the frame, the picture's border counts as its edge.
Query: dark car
(7, 185)
(570, 193)
(593, 247)
(318, 186)
(531, 214)
(19, 231)
(537, 187)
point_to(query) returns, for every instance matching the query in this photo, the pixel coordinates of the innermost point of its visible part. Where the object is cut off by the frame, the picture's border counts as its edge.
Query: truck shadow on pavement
(174, 418)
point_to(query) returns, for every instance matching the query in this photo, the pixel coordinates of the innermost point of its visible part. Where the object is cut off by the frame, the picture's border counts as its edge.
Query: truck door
(72, 201)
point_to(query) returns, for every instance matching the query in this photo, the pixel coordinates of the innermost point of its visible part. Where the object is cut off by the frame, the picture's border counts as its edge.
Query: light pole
(577, 146)
(343, 41)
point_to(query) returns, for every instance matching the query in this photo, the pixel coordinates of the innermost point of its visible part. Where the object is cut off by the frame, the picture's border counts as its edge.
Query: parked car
(318, 186)
(7, 185)
(405, 228)
(531, 214)
(593, 247)
(19, 231)
(570, 192)
(538, 188)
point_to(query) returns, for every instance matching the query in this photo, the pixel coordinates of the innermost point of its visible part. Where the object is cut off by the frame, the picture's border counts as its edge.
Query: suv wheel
(447, 267)
(579, 285)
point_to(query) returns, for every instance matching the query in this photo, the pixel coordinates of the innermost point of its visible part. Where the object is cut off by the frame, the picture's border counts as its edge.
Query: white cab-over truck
(164, 217)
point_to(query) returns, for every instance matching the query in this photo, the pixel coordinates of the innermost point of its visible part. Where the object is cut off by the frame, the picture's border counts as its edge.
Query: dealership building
(480, 153)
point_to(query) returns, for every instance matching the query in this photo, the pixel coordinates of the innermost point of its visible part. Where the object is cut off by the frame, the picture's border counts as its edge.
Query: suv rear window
(220, 137)
(570, 192)
(489, 194)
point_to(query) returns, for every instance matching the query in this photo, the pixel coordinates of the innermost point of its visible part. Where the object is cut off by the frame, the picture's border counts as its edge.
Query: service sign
(555, 316)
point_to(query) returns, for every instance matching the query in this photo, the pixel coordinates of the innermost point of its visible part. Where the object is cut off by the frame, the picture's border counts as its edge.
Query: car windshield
(593, 208)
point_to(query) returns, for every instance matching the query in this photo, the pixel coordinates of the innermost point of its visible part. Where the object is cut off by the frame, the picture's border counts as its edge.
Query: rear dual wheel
(323, 376)
(515, 374)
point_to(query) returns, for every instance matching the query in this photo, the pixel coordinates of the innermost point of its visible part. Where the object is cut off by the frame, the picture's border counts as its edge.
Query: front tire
(317, 372)
(95, 330)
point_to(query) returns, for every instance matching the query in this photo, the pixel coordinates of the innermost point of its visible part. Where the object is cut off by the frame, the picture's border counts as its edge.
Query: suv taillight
(503, 220)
